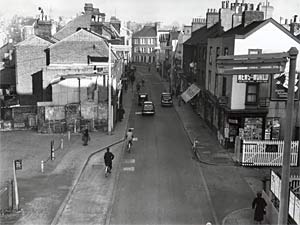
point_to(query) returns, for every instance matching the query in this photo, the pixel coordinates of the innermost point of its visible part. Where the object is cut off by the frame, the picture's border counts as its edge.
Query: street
(160, 183)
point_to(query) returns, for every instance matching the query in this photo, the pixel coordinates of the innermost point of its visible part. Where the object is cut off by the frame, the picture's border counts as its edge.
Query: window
(226, 51)
(224, 86)
(204, 54)
(210, 55)
(251, 93)
(47, 57)
(254, 51)
(217, 52)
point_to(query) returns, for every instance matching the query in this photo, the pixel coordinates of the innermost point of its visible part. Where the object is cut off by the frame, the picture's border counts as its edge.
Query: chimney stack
(212, 17)
(251, 16)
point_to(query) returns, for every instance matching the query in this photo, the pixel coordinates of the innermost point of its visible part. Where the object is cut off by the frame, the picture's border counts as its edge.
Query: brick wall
(30, 58)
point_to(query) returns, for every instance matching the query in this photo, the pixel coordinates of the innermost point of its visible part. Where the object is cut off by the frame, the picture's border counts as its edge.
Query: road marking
(129, 161)
(138, 113)
(131, 169)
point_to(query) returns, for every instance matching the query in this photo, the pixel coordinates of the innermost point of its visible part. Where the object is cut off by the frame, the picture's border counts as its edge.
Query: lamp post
(109, 122)
(284, 194)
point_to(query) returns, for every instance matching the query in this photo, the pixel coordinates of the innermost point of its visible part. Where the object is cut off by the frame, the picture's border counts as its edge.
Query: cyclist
(138, 87)
(108, 158)
(129, 136)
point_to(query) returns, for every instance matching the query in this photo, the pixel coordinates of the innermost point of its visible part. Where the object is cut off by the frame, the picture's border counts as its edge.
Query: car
(148, 108)
(166, 99)
(142, 97)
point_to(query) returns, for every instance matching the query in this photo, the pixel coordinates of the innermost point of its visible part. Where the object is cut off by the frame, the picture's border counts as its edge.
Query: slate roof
(71, 27)
(242, 32)
(34, 40)
(83, 21)
(241, 29)
(201, 35)
(146, 31)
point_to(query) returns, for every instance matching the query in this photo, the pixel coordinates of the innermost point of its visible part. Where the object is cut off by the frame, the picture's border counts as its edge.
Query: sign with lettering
(18, 164)
(279, 86)
(253, 78)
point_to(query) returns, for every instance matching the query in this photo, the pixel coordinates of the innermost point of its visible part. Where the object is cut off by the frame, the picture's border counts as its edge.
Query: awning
(190, 93)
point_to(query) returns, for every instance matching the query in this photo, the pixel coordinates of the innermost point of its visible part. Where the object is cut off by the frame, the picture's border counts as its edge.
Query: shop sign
(253, 78)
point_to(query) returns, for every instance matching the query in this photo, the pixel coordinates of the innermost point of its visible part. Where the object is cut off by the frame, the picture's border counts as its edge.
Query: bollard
(74, 126)
(42, 166)
(69, 135)
(61, 143)
(52, 150)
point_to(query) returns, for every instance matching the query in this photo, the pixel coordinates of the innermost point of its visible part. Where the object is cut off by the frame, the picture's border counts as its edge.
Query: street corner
(239, 217)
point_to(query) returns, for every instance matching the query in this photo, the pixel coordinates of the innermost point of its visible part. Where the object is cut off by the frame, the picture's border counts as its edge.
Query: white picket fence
(267, 153)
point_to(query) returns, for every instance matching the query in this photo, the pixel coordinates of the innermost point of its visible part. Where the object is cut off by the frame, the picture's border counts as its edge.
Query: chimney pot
(295, 18)
(223, 4)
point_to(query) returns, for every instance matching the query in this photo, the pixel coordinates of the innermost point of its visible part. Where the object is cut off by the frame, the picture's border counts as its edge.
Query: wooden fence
(264, 153)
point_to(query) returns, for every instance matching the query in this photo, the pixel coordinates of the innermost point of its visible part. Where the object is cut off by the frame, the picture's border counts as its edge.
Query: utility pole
(109, 90)
(284, 195)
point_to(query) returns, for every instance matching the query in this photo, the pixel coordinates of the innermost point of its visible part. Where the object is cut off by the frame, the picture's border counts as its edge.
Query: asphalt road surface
(160, 182)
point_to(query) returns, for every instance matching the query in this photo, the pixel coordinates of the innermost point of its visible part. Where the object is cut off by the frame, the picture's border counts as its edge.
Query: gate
(267, 153)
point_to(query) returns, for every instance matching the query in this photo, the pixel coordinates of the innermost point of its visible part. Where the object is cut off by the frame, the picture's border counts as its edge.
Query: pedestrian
(259, 205)
(85, 137)
(179, 100)
(121, 113)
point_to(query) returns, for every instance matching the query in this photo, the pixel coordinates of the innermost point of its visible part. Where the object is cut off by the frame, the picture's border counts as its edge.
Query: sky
(165, 11)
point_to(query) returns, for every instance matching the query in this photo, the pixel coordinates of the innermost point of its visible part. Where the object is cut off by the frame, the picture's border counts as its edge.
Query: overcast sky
(166, 11)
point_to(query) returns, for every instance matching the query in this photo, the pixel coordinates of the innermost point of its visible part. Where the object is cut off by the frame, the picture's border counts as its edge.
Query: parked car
(142, 97)
(148, 108)
(166, 99)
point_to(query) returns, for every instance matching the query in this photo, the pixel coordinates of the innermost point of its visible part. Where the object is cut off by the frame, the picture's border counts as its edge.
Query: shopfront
(248, 126)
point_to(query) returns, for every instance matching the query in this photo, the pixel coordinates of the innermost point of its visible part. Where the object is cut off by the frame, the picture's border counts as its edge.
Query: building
(77, 72)
(144, 43)
(91, 19)
(250, 108)
(30, 59)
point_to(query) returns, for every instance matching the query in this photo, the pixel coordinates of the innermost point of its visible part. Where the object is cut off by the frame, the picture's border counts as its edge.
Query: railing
(264, 153)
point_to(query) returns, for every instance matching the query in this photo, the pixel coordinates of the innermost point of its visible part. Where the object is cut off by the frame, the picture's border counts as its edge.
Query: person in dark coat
(85, 137)
(108, 158)
(259, 204)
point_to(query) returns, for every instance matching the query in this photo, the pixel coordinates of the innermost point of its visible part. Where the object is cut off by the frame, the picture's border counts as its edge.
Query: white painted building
(253, 110)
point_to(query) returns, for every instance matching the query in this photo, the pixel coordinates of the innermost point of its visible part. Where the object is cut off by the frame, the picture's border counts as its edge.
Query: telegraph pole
(109, 90)
(284, 195)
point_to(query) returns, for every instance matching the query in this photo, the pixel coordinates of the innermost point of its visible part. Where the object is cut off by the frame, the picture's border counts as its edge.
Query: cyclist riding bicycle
(108, 158)
(129, 136)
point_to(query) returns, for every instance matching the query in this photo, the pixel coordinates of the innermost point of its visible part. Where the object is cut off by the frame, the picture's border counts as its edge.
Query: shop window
(253, 128)
(251, 94)
(272, 129)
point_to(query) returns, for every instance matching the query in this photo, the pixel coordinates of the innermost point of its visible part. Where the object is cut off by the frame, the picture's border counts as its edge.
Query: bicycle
(129, 145)
(107, 171)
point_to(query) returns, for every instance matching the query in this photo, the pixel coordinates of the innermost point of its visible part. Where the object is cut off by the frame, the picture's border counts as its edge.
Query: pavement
(49, 197)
